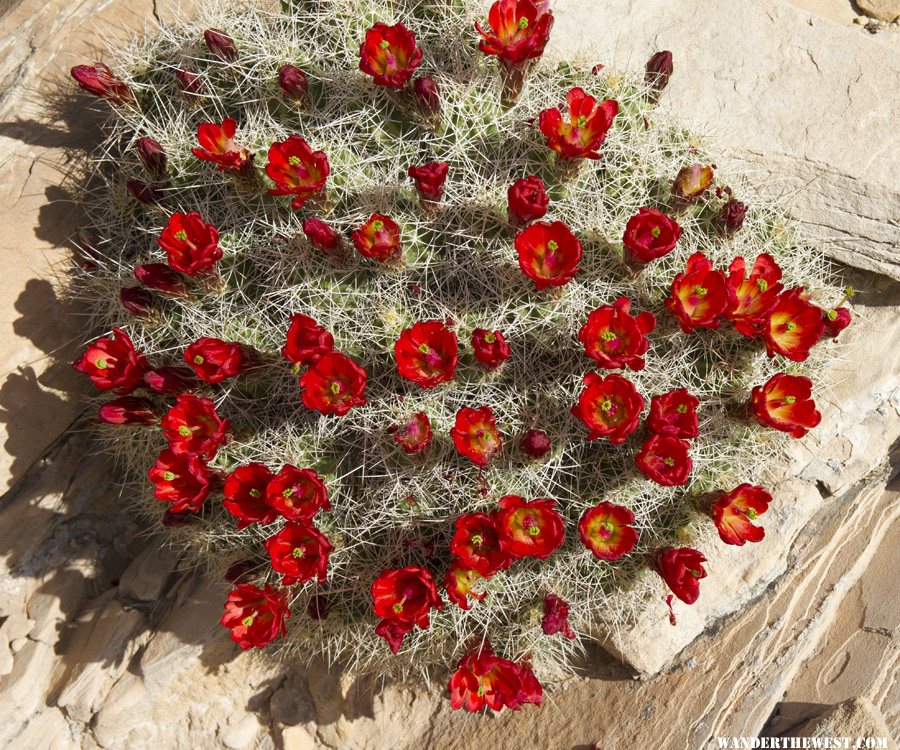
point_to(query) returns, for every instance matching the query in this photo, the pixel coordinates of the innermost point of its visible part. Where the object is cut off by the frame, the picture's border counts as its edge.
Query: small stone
(883, 10)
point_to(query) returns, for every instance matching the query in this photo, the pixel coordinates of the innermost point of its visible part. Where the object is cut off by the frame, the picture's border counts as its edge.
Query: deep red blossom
(835, 321)
(785, 403)
(753, 295)
(427, 353)
(529, 528)
(307, 341)
(98, 79)
(403, 598)
(490, 348)
(692, 181)
(192, 425)
(429, 180)
(297, 494)
(293, 83)
(527, 200)
(323, 238)
(334, 385)
(483, 679)
(675, 414)
(300, 553)
(609, 406)
(138, 301)
(665, 460)
(549, 253)
(161, 278)
(519, 31)
(214, 360)
(256, 616)
(129, 410)
(733, 513)
(414, 435)
(183, 480)
(476, 543)
(389, 54)
(153, 157)
(296, 169)
(221, 45)
(682, 569)
(218, 146)
(113, 364)
(475, 434)
(649, 235)
(460, 583)
(608, 531)
(378, 238)
(170, 379)
(556, 617)
(659, 69)
(189, 81)
(246, 492)
(699, 296)
(614, 338)
(731, 216)
(793, 325)
(584, 133)
(192, 245)
(535, 444)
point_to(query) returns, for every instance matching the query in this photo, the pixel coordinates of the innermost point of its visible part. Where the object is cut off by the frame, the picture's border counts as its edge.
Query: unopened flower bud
(170, 379)
(152, 157)
(221, 45)
(428, 96)
(161, 278)
(144, 193)
(659, 68)
(99, 80)
(293, 83)
(731, 217)
(189, 81)
(535, 444)
(138, 301)
(129, 410)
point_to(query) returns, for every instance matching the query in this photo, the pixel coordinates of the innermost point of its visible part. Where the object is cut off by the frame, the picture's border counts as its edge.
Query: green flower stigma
(792, 326)
(656, 231)
(293, 160)
(523, 23)
(184, 431)
(582, 121)
(198, 359)
(607, 335)
(789, 400)
(762, 284)
(297, 553)
(384, 44)
(551, 246)
(101, 364)
(255, 492)
(378, 225)
(700, 291)
(681, 408)
(751, 514)
(180, 235)
(477, 539)
(168, 476)
(248, 621)
(335, 388)
(424, 348)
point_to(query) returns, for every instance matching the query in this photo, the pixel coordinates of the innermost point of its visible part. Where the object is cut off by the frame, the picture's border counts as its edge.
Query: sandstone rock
(883, 10)
(854, 718)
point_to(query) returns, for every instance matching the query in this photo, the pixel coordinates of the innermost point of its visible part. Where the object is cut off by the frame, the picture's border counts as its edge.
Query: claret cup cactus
(432, 348)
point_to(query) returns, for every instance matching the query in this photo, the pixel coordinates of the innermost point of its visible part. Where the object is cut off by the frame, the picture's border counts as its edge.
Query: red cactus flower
(614, 338)
(428, 97)
(477, 544)
(307, 341)
(256, 616)
(549, 254)
(527, 200)
(214, 360)
(296, 169)
(297, 494)
(415, 434)
(300, 553)
(691, 182)
(183, 480)
(483, 679)
(733, 513)
(138, 301)
(529, 528)
(217, 145)
(192, 425)
(792, 326)
(682, 569)
(649, 235)
(490, 348)
(665, 460)
(699, 295)
(535, 444)
(221, 45)
(334, 385)
(162, 278)
(153, 157)
(323, 238)
(556, 617)
(389, 54)
(607, 530)
(245, 495)
(293, 83)
(659, 69)
(460, 583)
(520, 29)
(731, 217)
(785, 403)
(98, 79)
(378, 238)
(584, 133)
(170, 379)
(113, 364)
(609, 406)
(751, 297)
(192, 245)
(403, 598)
(429, 179)
(836, 320)
(427, 353)
(189, 81)
(129, 410)
(475, 434)
(674, 414)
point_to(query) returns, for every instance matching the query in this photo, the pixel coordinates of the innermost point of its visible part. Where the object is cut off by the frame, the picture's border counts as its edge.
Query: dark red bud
(138, 301)
(293, 83)
(731, 217)
(170, 379)
(129, 410)
(238, 572)
(428, 96)
(99, 80)
(221, 45)
(143, 192)
(318, 607)
(659, 68)
(535, 444)
(161, 278)
(189, 81)
(152, 157)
